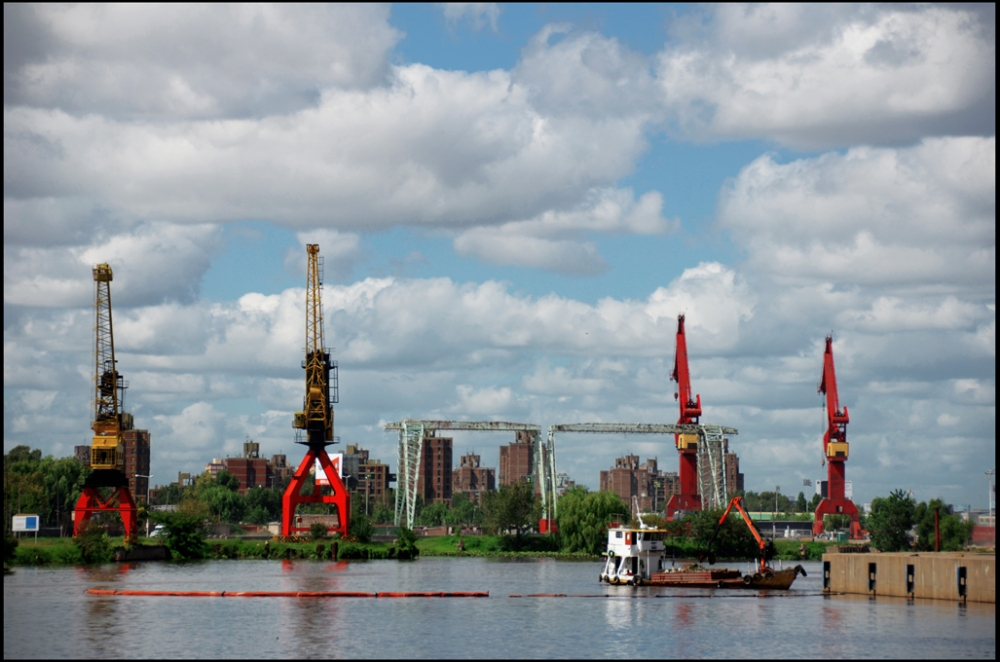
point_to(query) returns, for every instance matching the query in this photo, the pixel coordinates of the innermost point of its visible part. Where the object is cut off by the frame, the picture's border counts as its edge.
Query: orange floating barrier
(292, 594)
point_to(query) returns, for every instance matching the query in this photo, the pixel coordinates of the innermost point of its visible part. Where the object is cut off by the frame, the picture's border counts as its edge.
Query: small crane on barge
(316, 417)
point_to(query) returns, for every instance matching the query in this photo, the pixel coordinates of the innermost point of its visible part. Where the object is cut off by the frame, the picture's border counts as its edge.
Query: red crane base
(687, 472)
(120, 501)
(682, 503)
(837, 507)
(292, 498)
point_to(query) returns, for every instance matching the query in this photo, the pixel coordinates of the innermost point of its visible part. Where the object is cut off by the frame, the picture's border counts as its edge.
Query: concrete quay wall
(958, 576)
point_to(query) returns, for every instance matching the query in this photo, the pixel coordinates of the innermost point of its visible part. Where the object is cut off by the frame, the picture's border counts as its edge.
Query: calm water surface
(48, 614)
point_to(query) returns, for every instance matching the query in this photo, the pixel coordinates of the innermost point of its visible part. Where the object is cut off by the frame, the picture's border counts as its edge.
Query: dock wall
(955, 576)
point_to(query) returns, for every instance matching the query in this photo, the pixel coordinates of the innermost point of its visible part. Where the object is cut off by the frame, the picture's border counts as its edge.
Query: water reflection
(629, 623)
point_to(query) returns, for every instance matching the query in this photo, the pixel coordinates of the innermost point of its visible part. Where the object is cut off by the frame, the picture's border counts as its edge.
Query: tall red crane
(835, 451)
(316, 417)
(687, 444)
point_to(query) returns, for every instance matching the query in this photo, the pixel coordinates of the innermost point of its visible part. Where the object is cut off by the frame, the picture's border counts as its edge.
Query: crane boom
(106, 448)
(316, 417)
(837, 418)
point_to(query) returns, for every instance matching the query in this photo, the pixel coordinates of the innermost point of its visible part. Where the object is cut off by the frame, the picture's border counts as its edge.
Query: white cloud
(174, 61)
(477, 13)
(551, 241)
(151, 263)
(817, 75)
(918, 216)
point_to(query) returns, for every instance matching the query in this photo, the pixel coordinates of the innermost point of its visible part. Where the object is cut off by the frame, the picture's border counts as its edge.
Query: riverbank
(63, 551)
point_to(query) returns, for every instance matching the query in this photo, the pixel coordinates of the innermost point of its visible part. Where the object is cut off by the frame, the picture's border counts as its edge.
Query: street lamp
(148, 478)
(992, 492)
(774, 533)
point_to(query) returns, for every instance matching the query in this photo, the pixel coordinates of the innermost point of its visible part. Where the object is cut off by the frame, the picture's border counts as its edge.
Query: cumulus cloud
(923, 215)
(434, 148)
(551, 241)
(151, 263)
(820, 75)
(173, 61)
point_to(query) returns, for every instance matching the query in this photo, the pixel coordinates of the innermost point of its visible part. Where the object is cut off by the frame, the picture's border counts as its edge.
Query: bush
(10, 543)
(406, 544)
(93, 545)
(185, 534)
(361, 528)
(317, 530)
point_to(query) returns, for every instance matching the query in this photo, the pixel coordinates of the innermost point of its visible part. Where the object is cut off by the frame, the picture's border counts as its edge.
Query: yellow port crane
(107, 451)
(316, 417)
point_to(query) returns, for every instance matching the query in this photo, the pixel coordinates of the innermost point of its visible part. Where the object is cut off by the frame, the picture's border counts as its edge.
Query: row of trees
(895, 518)
(46, 486)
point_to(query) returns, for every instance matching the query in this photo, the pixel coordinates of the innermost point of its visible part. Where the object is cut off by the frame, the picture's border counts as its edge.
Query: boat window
(646, 536)
(618, 534)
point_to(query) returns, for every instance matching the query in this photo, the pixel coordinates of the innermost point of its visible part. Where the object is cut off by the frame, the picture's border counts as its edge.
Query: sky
(514, 203)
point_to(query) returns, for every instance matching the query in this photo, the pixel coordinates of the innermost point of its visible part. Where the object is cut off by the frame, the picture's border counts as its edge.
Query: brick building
(517, 459)
(734, 479)
(251, 469)
(434, 478)
(473, 480)
(634, 482)
(367, 477)
(136, 444)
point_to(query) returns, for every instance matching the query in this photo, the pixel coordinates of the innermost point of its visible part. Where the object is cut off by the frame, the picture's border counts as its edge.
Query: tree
(801, 505)
(891, 520)
(955, 532)
(513, 507)
(184, 532)
(583, 518)
(267, 499)
(381, 514)
(227, 480)
(360, 527)
(734, 540)
(432, 515)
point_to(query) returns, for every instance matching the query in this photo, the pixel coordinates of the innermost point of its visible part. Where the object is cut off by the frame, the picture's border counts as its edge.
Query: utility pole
(991, 495)
(777, 488)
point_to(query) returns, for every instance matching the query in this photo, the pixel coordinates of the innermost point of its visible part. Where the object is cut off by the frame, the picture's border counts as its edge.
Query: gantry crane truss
(411, 445)
(712, 477)
(316, 417)
(835, 451)
(107, 451)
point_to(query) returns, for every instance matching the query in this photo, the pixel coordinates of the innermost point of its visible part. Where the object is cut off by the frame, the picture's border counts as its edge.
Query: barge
(637, 557)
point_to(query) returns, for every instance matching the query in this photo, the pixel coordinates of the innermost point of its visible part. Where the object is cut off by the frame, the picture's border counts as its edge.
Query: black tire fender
(747, 579)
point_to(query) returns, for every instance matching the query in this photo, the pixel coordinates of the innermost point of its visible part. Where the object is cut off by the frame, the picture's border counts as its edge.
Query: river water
(47, 613)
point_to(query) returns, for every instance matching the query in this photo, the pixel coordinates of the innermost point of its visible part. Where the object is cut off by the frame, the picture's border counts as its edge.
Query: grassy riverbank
(63, 551)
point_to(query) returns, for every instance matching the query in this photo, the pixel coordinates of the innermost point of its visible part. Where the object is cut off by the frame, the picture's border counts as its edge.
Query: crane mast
(107, 450)
(316, 417)
(687, 443)
(835, 451)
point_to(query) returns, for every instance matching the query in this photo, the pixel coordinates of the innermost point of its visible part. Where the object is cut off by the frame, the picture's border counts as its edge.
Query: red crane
(687, 444)
(835, 451)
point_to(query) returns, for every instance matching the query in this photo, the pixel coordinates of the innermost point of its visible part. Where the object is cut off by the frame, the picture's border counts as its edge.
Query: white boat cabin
(633, 555)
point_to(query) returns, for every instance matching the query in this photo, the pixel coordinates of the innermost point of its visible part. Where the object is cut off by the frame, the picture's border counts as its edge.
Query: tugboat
(636, 557)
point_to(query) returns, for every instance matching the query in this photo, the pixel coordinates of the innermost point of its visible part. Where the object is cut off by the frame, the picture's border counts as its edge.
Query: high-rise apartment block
(434, 477)
(517, 459)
